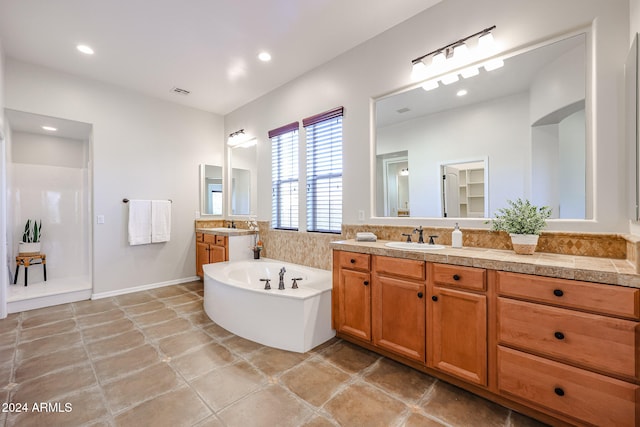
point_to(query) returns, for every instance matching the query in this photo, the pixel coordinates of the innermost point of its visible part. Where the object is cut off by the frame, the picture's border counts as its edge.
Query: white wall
(143, 148)
(4, 260)
(382, 65)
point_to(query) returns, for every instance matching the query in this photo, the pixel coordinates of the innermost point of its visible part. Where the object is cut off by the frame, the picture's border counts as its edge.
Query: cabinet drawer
(355, 261)
(399, 267)
(590, 340)
(606, 299)
(221, 240)
(584, 395)
(214, 239)
(459, 277)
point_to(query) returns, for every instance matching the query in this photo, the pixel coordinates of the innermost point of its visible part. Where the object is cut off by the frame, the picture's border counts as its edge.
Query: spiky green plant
(32, 234)
(521, 218)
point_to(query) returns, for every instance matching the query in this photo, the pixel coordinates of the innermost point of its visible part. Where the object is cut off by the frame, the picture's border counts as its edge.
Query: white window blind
(284, 177)
(324, 171)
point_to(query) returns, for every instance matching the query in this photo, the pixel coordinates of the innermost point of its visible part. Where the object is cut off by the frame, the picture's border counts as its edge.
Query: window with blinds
(324, 171)
(284, 177)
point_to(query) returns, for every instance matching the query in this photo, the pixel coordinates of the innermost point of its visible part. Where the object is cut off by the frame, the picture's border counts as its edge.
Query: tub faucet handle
(267, 285)
(295, 282)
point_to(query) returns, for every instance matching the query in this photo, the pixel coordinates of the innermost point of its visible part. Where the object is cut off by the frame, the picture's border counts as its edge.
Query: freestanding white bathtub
(290, 319)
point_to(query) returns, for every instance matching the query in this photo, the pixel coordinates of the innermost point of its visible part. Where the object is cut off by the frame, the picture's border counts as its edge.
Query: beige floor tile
(190, 307)
(6, 355)
(108, 330)
(180, 407)
(147, 307)
(217, 331)
(224, 386)
(202, 360)
(241, 345)
(47, 330)
(74, 410)
(48, 344)
(116, 344)
(272, 406)
(120, 364)
(100, 318)
(272, 361)
(168, 291)
(162, 330)
(181, 343)
(349, 357)
(9, 338)
(184, 298)
(199, 318)
(458, 407)
(49, 362)
(212, 421)
(48, 310)
(418, 420)
(154, 317)
(140, 386)
(363, 405)
(134, 299)
(9, 324)
(46, 318)
(318, 422)
(51, 386)
(314, 381)
(406, 383)
(197, 285)
(94, 306)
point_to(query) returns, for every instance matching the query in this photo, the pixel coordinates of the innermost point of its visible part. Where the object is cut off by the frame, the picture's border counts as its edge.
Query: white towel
(160, 221)
(366, 237)
(139, 222)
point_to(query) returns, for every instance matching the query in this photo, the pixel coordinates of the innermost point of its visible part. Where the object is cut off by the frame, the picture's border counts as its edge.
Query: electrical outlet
(361, 215)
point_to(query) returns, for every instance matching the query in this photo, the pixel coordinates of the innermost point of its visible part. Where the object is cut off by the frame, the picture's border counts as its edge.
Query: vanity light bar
(454, 55)
(240, 139)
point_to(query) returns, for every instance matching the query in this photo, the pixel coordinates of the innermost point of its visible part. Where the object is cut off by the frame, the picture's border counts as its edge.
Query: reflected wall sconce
(404, 172)
(240, 139)
(455, 56)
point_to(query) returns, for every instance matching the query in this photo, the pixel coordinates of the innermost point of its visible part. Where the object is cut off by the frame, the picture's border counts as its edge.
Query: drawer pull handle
(558, 292)
(558, 391)
(419, 294)
(456, 277)
(353, 261)
(559, 335)
(434, 298)
(366, 283)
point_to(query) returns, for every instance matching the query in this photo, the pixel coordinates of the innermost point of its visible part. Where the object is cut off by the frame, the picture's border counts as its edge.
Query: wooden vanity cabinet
(457, 325)
(352, 296)
(569, 347)
(210, 248)
(398, 306)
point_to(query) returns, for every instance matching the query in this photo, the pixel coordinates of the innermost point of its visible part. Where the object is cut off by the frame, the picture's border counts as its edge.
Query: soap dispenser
(456, 237)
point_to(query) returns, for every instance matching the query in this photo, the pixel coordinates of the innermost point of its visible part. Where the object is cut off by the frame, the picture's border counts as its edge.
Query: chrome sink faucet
(281, 282)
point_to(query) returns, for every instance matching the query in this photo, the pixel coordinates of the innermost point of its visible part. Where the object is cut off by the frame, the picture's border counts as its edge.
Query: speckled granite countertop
(221, 231)
(601, 270)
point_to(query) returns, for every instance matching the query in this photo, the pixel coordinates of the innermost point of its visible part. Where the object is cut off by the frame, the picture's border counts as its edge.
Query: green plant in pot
(31, 238)
(524, 222)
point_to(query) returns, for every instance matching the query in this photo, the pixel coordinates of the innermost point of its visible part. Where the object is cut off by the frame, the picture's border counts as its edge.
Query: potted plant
(524, 222)
(30, 238)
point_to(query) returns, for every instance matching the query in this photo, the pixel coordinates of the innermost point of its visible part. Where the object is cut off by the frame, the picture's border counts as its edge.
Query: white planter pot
(524, 244)
(28, 248)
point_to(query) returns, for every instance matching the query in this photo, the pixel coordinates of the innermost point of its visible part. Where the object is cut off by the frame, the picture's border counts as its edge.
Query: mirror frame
(202, 172)
(590, 142)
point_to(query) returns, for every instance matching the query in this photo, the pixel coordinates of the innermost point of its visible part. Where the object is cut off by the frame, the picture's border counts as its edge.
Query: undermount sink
(414, 246)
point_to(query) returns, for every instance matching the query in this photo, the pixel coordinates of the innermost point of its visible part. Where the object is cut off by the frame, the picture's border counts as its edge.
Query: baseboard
(124, 291)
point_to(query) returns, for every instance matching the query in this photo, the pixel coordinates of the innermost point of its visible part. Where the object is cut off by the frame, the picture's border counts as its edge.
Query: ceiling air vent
(403, 110)
(180, 91)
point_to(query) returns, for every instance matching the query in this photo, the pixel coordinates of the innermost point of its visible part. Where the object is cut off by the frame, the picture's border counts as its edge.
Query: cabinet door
(202, 257)
(458, 334)
(399, 316)
(217, 253)
(354, 304)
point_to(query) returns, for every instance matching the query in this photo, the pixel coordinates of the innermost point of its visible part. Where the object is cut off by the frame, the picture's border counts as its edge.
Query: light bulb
(486, 42)
(460, 53)
(493, 64)
(450, 78)
(418, 71)
(430, 85)
(438, 60)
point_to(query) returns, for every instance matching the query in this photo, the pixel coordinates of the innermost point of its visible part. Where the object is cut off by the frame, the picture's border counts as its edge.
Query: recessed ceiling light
(49, 128)
(85, 49)
(264, 56)
(462, 92)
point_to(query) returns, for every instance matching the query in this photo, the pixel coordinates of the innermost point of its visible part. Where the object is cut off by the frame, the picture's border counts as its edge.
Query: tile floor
(154, 358)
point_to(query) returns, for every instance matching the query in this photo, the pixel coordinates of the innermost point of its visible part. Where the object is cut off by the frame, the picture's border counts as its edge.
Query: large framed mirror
(243, 179)
(526, 121)
(211, 190)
